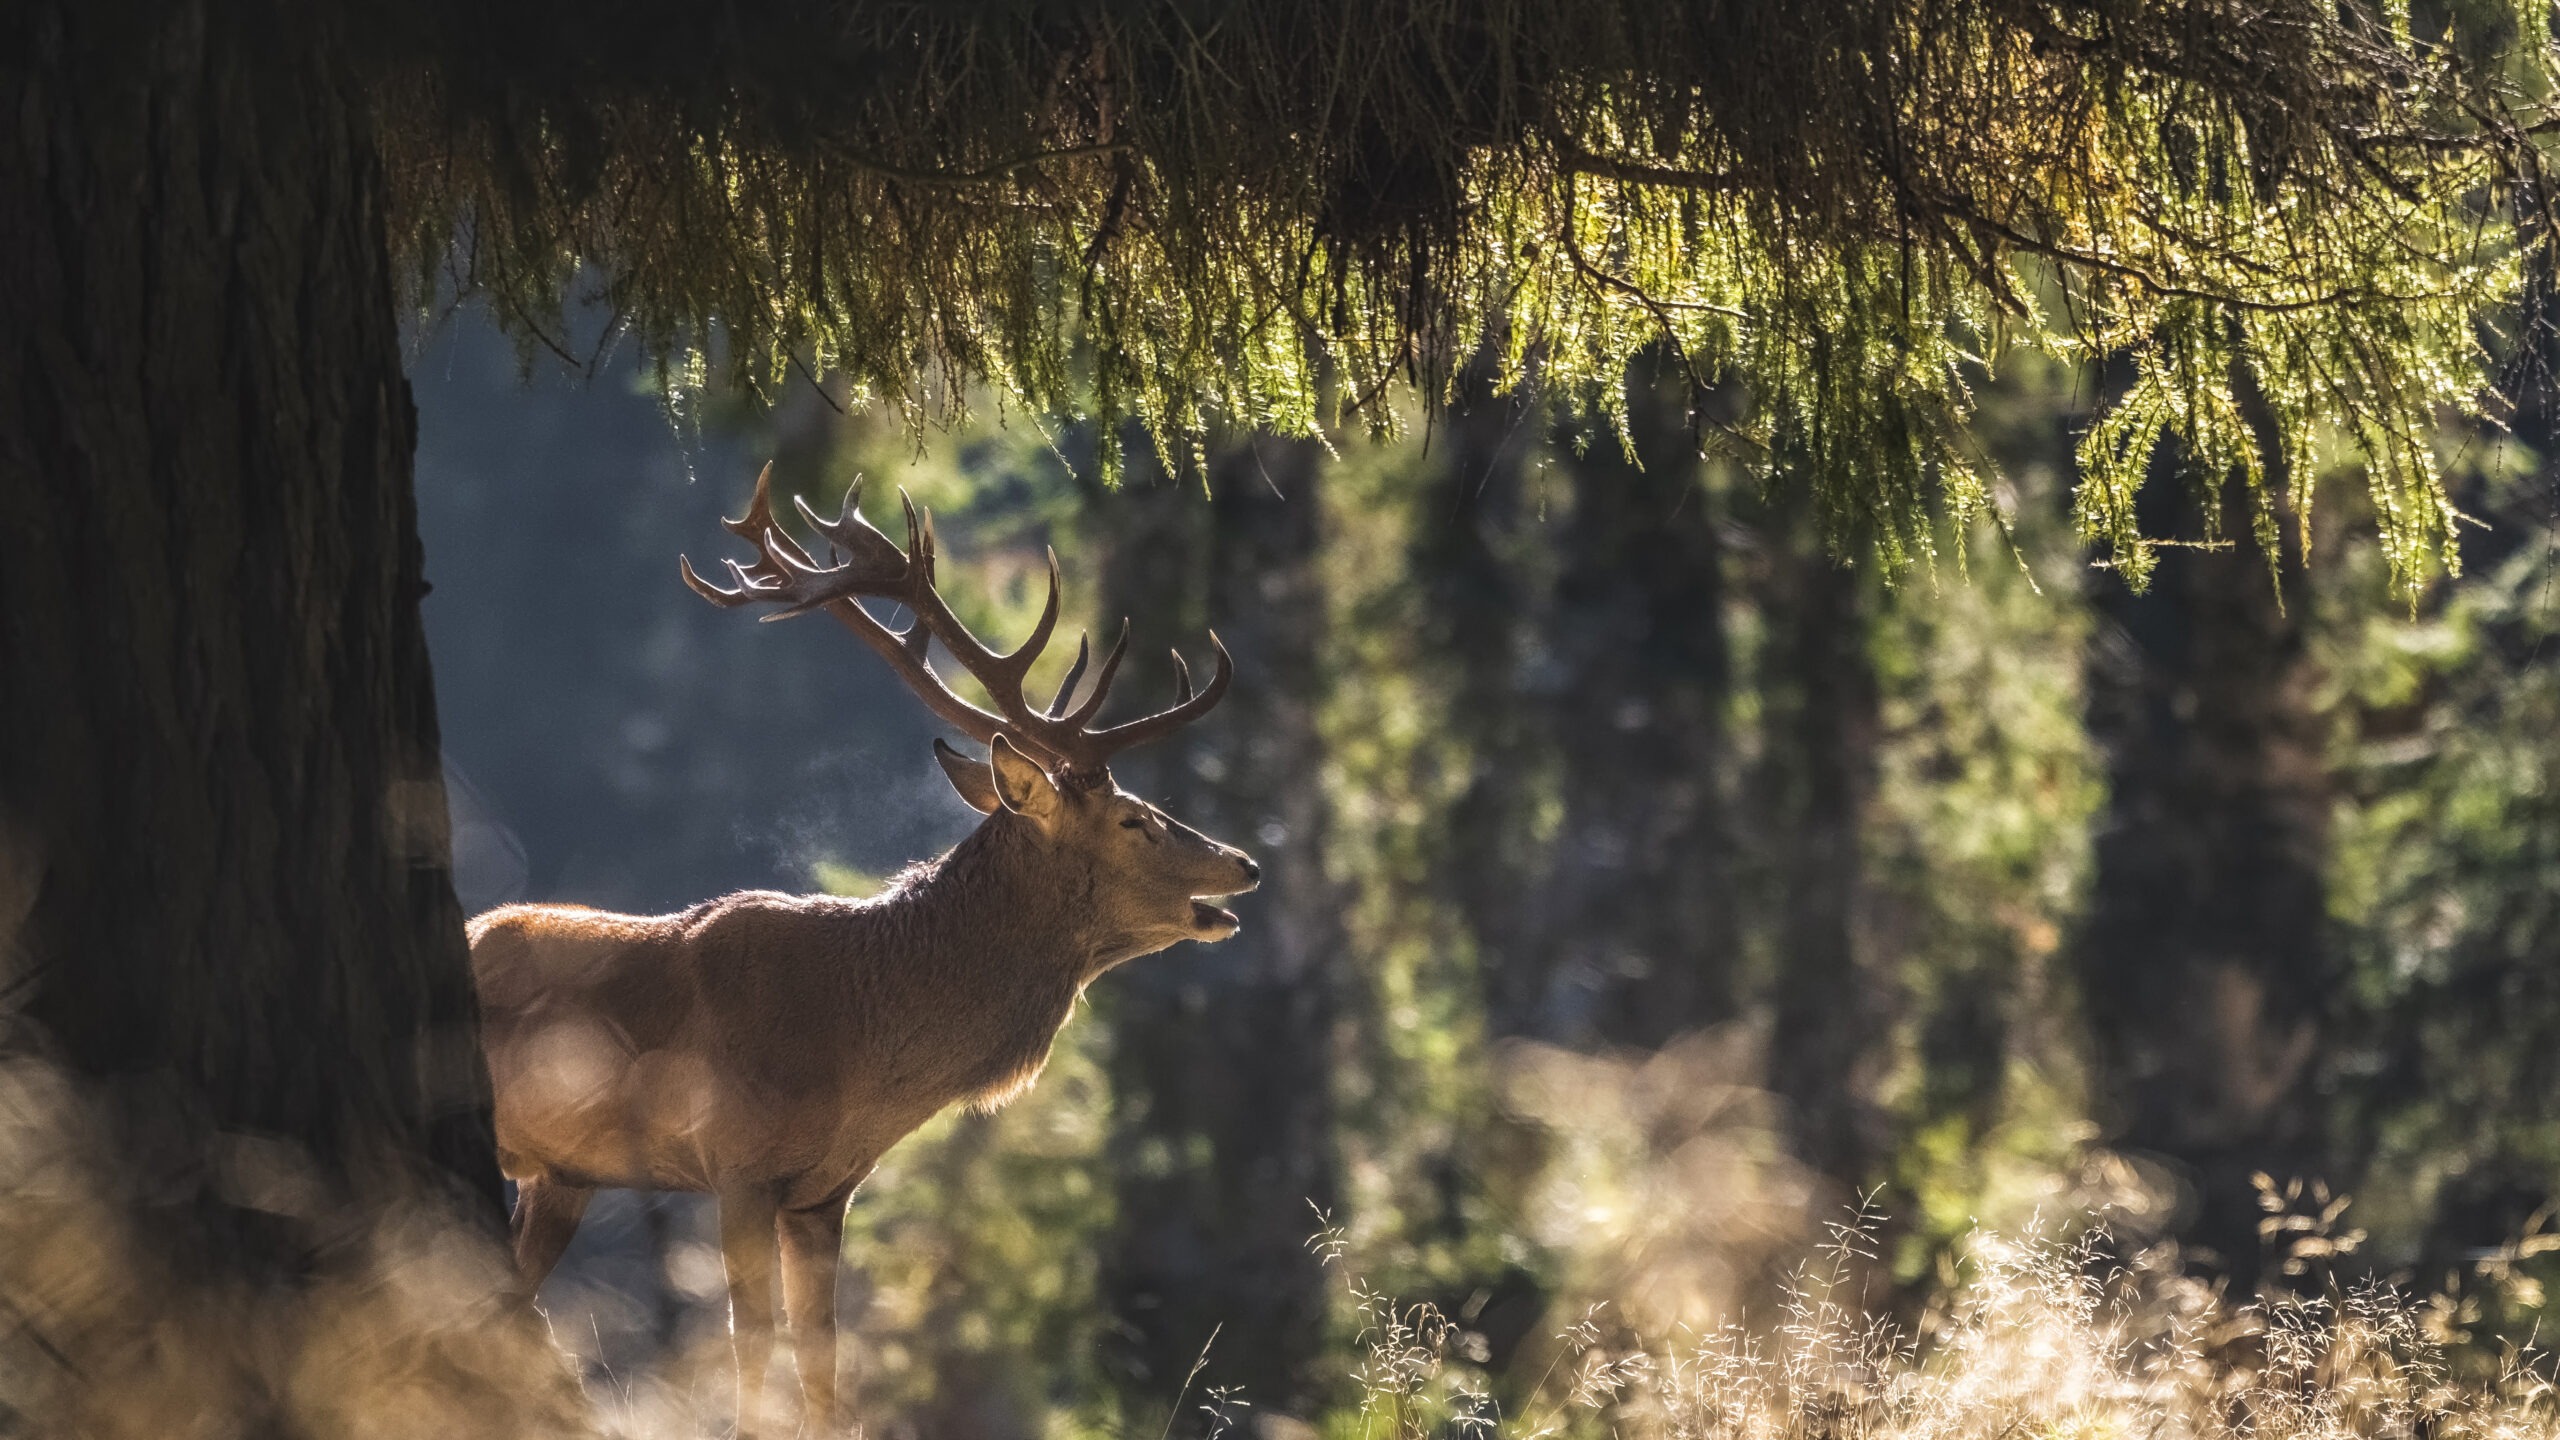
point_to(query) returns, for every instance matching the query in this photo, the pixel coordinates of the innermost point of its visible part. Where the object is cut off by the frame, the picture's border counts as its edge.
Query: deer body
(782, 1039)
(769, 1048)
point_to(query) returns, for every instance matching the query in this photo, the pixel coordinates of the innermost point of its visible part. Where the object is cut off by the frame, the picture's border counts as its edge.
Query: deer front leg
(746, 1251)
(811, 1242)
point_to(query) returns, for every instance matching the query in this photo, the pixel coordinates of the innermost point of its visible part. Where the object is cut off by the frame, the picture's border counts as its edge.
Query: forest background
(1648, 889)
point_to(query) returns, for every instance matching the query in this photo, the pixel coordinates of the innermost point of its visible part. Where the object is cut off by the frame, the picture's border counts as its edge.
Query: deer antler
(874, 567)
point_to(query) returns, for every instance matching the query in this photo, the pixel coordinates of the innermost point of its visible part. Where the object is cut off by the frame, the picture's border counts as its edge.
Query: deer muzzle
(1215, 923)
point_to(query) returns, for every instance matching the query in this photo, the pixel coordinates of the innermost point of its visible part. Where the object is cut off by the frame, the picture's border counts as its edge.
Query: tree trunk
(1590, 670)
(224, 890)
(1484, 603)
(1644, 919)
(1222, 1057)
(1819, 695)
(2207, 964)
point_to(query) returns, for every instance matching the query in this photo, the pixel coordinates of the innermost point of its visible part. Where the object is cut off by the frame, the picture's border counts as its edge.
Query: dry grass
(407, 1325)
(412, 1329)
(2054, 1339)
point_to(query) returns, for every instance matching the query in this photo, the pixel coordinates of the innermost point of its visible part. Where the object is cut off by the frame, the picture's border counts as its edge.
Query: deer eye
(1133, 823)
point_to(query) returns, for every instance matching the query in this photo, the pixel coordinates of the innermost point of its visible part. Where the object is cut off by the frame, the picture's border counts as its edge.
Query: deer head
(1146, 878)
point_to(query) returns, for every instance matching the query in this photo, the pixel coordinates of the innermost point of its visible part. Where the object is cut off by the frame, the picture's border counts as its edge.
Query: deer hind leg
(747, 1232)
(811, 1240)
(546, 1215)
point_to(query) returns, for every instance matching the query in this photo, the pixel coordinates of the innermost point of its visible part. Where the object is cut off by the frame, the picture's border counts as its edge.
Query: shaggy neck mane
(994, 893)
(1003, 930)
(991, 850)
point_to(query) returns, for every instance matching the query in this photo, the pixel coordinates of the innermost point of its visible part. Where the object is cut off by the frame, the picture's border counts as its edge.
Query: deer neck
(1001, 906)
(999, 932)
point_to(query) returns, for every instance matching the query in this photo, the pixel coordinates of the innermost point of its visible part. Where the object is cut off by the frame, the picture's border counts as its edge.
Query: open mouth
(1206, 916)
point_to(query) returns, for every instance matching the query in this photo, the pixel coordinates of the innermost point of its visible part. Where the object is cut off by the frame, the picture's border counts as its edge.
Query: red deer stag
(768, 1048)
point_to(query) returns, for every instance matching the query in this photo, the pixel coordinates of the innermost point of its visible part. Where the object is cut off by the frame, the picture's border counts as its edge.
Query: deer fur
(769, 1048)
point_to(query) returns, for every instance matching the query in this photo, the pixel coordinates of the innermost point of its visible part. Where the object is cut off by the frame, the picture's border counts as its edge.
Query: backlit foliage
(2280, 225)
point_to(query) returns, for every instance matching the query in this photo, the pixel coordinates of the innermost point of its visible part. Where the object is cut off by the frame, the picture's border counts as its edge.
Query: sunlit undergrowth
(415, 1332)
(2042, 1337)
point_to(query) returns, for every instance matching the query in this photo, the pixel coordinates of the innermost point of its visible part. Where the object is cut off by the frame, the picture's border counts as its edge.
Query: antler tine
(784, 575)
(1002, 673)
(1028, 652)
(725, 599)
(806, 586)
(861, 541)
(815, 522)
(872, 564)
(759, 516)
(1099, 746)
(1101, 680)
(758, 521)
(762, 580)
(920, 546)
(1075, 672)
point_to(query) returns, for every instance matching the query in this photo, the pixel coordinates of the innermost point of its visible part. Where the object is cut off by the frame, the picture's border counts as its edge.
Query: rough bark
(218, 763)
(1222, 1056)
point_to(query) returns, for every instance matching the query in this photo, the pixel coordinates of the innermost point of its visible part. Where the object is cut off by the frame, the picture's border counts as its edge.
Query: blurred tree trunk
(1643, 918)
(1591, 678)
(1821, 729)
(1221, 1061)
(1482, 603)
(2207, 965)
(224, 893)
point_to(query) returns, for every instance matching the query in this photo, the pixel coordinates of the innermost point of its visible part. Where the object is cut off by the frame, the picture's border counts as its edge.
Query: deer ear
(975, 782)
(1020, 784)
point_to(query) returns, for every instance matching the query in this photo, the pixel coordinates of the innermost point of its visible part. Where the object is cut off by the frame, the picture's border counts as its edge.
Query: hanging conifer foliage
(2284, 221)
